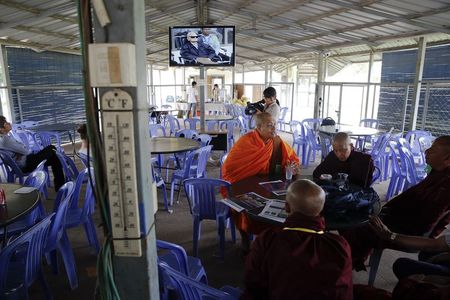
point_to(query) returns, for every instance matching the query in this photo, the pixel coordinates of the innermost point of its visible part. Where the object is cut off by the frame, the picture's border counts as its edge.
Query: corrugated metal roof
(268, 31)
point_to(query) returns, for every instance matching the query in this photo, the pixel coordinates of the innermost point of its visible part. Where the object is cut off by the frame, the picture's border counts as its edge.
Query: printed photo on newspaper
(277, 187)
(246, 201)
(274, 210)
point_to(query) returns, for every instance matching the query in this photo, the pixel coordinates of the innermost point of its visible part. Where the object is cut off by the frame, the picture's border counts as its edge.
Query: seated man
(344, 159)
(299, 260)
(414, 212)
(193, 49)
(257, 152)
(29, 161)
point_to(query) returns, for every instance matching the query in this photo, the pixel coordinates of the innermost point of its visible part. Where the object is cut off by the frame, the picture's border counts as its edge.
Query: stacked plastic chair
(49, 138)
(69, 167)
(174, 124)
(229, 126)
(201, 194)
(58, 241)
(17, 274)
(81, 215)
(191, 123)
(157, 130)
(299, 139)
(398, 172)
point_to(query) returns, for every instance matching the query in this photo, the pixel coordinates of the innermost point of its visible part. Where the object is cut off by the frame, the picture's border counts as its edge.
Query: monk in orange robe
(256, 153)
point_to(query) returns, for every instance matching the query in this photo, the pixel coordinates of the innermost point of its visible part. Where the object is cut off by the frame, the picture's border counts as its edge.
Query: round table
(333, 222)
(17, 205)
(163, 145)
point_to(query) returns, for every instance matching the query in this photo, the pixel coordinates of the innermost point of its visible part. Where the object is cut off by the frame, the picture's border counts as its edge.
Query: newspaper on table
(277, 187)
(274, 210)
(245, 201)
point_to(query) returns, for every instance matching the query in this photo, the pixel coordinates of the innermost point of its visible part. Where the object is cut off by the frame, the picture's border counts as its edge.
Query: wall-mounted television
(202, 46)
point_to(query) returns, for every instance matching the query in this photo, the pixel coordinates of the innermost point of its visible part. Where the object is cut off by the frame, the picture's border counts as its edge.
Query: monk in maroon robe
(299, 260)
(344, 159)
(414, 212)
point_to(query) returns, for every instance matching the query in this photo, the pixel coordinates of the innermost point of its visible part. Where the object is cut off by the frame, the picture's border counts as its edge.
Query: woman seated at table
(257, 152)
(344, 159)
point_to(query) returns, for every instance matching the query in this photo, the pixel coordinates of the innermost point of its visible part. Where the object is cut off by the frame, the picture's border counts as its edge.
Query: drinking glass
(289, 172)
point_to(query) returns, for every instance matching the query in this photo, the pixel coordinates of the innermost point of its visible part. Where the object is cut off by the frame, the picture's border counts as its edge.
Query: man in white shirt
(192, 99)
(29, 161)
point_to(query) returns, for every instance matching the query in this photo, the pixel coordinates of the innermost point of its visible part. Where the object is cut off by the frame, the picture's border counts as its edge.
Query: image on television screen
(202, 46)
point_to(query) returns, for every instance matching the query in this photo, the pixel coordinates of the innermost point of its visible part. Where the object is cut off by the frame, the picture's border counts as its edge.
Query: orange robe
(251, 156)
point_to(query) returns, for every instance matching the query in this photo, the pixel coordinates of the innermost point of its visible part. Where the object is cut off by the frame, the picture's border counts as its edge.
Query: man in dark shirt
(299, 260)
(344, 159)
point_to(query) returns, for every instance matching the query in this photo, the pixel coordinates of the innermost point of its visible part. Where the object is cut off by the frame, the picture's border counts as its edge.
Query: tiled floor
(177, 228)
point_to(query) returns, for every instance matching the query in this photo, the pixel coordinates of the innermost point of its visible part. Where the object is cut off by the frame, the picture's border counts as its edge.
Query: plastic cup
(288, 173)
(326, 177)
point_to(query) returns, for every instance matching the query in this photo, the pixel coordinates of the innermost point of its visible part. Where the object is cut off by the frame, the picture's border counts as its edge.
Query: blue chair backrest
(12, 169)
(62, 202)
(371, 123)
(191, 123)
(202, 160)
(48, 138)
(314, 123)
(376, 174)
(68, 165)
(283, 112)
(186, 133)
(188, 288)
(407, 160)
(174, 124)
(395, 156)
(157, 130)
(204, 138)
(32, 245)
(83, 177)
(37, 179)
(212, 125)
(201, 194)
(86, 160)
(294, 125)
(380, 146)
(229, 126)
(413, 139)
(179, 253)
(425, 142)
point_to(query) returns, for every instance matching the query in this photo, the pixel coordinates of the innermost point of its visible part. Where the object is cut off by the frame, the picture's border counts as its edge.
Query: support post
(319, 85)
(202, 97)
(136, 277)
(368, 84)
(417, 83)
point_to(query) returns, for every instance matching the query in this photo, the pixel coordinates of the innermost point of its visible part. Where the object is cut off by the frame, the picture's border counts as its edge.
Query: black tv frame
(177, 36)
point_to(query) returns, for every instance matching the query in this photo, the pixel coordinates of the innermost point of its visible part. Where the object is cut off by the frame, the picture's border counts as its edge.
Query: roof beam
(397, 18)
(261, 51)
(36, 15)
(38, 46)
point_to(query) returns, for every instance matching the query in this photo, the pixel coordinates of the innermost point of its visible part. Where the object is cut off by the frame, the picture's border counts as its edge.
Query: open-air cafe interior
(232, 149)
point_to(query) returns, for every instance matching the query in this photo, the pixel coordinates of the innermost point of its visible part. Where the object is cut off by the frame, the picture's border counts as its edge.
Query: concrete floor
(177, 228)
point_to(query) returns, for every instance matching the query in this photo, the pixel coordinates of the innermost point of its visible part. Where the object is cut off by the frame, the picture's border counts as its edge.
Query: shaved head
(342, 146)
(438, 155)
(341, 138)
(262, 118)
(306, 197)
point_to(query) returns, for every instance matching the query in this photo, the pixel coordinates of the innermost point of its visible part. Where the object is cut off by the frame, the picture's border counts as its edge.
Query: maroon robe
(359, 167)
(285, 264)
(414, 212)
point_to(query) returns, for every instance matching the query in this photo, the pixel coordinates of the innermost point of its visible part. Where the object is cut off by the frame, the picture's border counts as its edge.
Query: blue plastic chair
(413, 175)
(38, 180)
(177, 258)
(185, 287)
(313, 146)
(28, 139)
(186, 133)
(313, 123)
(229, 126)
(204, 139)
(299, 139)
(48, 138)
(191, 123)
(69, 167)
(174, 124)
(194, 167)
(201, 195)
(157, 130)
(221, 162)
(58, 241)
(13, 171)
(86, 160)
(78, 215)
(398, 173)
(21, 262)
(159, 182)
(380, 154)
(212, 125)
(281, 123)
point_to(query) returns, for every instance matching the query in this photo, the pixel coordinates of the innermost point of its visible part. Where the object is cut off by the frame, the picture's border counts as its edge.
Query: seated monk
(257, 152)
(344, 159)
(299, 260)
(414, 212)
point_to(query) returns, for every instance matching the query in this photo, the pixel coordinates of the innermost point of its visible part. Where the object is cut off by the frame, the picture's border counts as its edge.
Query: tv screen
(201, 46)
